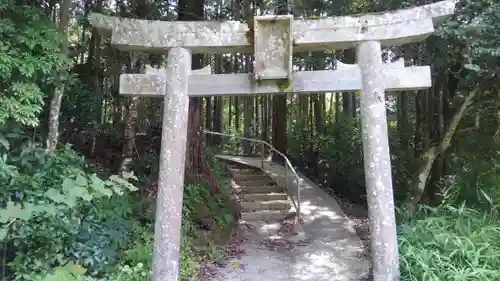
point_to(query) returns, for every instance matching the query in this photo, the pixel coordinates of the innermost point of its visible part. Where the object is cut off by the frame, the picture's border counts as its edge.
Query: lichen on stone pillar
(377, 163)
(171, 172)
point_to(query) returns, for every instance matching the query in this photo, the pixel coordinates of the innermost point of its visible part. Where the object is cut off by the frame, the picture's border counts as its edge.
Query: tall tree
(279, 105)
(55, 104)
(143, 10)
(193, 10)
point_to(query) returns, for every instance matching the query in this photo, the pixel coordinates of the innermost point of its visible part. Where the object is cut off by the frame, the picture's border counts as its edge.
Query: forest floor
(329, 248)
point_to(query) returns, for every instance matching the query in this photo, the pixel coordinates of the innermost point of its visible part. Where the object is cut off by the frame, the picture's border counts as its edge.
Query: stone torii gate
(273, 40)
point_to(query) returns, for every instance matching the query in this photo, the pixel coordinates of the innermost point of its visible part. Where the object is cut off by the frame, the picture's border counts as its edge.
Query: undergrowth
(450, 243)
(60, 221)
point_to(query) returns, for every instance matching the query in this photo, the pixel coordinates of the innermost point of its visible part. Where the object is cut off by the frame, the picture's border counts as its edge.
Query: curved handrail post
(287, 165)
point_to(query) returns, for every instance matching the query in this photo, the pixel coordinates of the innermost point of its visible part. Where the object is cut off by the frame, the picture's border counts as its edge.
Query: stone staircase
(262, 200)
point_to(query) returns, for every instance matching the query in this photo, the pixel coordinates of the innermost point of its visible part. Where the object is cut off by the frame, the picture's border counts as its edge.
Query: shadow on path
(330, 249)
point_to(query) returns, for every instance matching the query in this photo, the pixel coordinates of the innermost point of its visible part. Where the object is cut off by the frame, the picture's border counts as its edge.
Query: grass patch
(450, 243)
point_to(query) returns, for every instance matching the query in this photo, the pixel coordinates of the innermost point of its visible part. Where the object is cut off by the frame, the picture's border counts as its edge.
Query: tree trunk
(318, 110)
(55, 103)
(419, 137)
(193, 10)
(143, 11)
(248, 113)
(218, 103)
(279, 123)
(236, 69)
(265, 123)
(129, 147)
(257, 117)
(496, 135)
(427, 159)
(348, 99)
(337, 107)
(403, 124)
(436, 132)
(208, 118)
(230, 113)
(279, 106)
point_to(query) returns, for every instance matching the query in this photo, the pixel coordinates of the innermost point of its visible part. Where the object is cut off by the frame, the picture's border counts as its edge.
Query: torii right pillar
(377, 163)
(377, 158)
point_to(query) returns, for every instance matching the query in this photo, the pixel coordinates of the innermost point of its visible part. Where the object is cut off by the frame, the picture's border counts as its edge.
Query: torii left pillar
(167, 240)
(173, 85)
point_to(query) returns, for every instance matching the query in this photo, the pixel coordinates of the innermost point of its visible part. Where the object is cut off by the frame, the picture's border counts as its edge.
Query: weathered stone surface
(273, 47)
(400, 63)
(325, 32)
(148, 69)
(309, 82)
(221, 37)
(143, 84)
(321, 81)
(171, 171)
(152, 83)
(150, 36)
(377, 164)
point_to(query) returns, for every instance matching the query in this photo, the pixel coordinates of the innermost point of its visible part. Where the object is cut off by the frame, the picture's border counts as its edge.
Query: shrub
(55, 212)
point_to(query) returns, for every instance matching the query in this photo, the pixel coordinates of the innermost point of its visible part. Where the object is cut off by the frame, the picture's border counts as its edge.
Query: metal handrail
(287, 162)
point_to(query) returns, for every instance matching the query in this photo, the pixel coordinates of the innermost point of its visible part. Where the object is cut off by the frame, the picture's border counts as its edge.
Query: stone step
(265, 215)
(264, 197)
(260, 189)
(256, 182)
(243, 171)
(247, 177)
(238, 165)
(265, 205)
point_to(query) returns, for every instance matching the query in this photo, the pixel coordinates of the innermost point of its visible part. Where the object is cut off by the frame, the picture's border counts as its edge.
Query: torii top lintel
(390, 28)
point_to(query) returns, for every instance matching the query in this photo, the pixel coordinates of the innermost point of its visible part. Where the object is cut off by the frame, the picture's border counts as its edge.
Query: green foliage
(69, 272)
(450, 243)
(72, 272)
(336, 156)
(136, 262)
(135, 273)
(54, 211)
(475, 174)
(473, 33)
(30, 62)
(58, 217)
